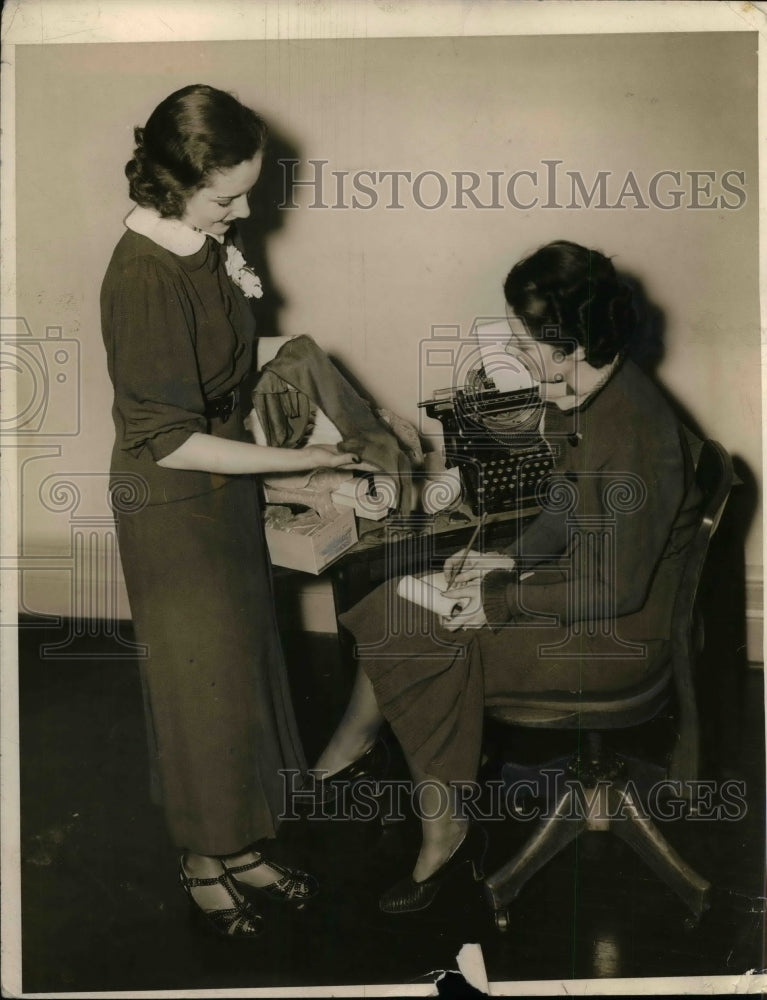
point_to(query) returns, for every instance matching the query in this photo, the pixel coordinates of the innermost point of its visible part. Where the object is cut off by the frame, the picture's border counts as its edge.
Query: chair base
(604, 807)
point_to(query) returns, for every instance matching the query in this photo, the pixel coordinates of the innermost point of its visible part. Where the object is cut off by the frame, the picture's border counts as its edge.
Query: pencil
(466, 551)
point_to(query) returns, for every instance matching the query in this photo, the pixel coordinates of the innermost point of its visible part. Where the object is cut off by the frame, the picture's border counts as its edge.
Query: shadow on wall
(722, 594)
(274, 189)
(649, 344)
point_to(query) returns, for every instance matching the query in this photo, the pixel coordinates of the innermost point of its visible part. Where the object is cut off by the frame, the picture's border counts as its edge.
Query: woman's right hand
(476, 565)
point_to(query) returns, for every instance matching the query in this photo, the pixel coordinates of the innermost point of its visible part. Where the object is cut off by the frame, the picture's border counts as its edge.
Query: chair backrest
(714, 477)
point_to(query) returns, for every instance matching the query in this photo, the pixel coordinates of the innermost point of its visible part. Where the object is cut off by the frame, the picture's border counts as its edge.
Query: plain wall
(371, 285)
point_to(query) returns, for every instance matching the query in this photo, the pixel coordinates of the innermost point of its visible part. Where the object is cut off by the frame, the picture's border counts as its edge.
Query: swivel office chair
(600, 779)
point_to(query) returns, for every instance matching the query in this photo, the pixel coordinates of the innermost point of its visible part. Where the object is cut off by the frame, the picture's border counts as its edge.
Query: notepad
(427, 592)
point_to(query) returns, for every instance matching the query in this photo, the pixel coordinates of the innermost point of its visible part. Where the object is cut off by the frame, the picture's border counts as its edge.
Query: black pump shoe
(409, 896)
(291, 885)
(373, 765)
(238, 921)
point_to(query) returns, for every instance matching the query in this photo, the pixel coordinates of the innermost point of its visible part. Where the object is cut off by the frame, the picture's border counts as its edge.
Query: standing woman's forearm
(206, 453)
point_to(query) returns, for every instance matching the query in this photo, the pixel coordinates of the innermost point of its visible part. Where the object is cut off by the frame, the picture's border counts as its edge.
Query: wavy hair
(565, 292)
(191, 134)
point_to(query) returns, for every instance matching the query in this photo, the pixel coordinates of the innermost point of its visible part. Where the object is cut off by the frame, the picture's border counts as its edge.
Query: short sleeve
(150, 336)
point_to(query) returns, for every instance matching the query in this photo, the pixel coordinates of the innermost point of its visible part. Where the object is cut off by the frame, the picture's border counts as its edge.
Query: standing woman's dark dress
(178, 333)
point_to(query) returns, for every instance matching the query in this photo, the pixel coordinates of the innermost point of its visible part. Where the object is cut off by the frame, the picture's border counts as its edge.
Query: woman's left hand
(468, 599)
(326, 456)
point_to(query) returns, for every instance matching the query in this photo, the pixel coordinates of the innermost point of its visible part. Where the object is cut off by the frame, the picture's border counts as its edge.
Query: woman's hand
(469, 612)
(327, 456)
(477, 565)
(206, 453)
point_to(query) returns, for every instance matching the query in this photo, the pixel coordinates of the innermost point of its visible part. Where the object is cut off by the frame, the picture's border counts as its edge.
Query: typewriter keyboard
(494, 441)
(502, 481)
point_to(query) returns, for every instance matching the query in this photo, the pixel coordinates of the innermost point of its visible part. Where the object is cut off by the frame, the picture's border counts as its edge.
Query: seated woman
(555, 613)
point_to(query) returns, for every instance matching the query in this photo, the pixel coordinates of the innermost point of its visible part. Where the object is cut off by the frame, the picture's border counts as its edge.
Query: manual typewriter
(493, 439)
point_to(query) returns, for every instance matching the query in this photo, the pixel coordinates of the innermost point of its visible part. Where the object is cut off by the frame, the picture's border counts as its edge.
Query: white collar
(171, 234)
(571, 401)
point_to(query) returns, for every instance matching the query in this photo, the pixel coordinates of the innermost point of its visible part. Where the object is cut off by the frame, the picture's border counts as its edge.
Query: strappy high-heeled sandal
(291, 886)
(237, 921)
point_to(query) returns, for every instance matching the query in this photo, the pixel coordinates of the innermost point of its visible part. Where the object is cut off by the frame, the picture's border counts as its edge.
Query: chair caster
(502, 922)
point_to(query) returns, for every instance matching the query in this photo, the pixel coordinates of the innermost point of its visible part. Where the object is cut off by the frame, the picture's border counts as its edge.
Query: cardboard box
(312, 551)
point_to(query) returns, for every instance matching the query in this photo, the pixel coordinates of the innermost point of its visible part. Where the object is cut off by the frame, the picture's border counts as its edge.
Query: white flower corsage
(242, 275)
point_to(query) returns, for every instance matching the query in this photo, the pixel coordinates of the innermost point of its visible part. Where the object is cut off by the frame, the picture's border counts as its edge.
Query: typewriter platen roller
(493, 439)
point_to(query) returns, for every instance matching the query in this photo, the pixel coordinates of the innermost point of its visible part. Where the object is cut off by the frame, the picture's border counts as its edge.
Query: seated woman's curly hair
(572, 295)
(192, 133)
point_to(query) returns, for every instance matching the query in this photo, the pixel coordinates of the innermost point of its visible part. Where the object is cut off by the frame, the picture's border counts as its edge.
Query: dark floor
(102, 910)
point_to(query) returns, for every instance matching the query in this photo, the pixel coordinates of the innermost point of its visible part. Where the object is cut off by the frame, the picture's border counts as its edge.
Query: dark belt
(222, 407)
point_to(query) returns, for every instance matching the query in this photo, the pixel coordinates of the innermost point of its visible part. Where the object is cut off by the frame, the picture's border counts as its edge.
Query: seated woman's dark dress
(594, 615)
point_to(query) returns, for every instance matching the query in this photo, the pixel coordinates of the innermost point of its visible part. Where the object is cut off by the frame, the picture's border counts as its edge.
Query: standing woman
(179, 335)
